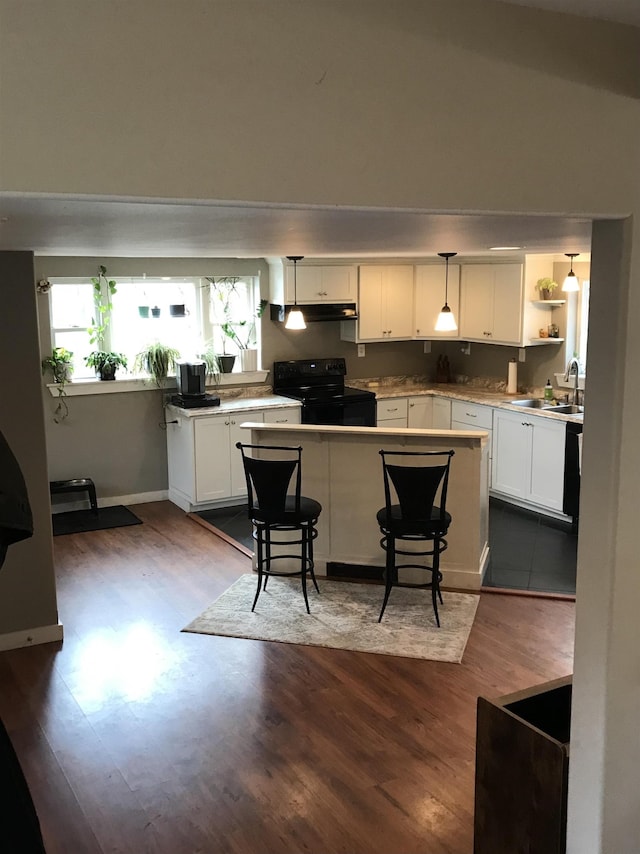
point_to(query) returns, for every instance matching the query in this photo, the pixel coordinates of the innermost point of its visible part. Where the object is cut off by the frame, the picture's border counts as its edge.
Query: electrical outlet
(427, 347)
(361, 349)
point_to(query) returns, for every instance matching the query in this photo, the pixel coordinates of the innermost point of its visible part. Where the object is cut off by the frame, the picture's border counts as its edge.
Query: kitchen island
(342, 469)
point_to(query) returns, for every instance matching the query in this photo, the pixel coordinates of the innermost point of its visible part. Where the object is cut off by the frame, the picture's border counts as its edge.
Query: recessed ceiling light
(504, 248)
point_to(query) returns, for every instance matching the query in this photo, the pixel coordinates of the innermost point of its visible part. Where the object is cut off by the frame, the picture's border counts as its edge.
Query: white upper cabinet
(321, 283)
(491, 303)
(385, 302)
(429, 299)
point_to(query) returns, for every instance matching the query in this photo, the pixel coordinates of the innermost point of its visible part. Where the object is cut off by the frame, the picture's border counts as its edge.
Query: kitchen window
(180, 312)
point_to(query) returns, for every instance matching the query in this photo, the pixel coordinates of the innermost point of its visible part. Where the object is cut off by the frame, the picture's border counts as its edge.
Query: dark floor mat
(79, 521)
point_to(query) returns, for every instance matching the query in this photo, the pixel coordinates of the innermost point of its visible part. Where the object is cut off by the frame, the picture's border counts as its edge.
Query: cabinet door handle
(227, 423)
(527, 424)
(412, 404)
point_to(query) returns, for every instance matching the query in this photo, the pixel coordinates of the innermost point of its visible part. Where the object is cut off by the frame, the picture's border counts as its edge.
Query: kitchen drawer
(396, 407)
(282, 416)
(473, 414)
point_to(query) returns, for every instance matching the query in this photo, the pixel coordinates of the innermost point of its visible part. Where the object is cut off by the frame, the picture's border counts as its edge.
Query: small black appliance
(190, 380)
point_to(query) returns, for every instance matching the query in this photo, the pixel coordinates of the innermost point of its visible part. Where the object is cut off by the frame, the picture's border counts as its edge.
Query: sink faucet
(574, 368)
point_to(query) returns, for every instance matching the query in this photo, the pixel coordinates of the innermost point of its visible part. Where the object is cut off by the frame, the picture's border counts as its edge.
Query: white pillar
(604, 775)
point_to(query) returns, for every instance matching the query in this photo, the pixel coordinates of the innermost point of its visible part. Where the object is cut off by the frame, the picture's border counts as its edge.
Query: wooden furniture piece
(413, 482)
(270, 471)
(522, 768)
(76, 484)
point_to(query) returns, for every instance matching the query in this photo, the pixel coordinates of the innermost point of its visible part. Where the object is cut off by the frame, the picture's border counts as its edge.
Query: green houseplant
(60, 365)
(157, 360)
(546, 287)
(106, 364)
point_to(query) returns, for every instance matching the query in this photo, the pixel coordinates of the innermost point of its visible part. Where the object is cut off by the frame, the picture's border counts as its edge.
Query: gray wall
(27, 586)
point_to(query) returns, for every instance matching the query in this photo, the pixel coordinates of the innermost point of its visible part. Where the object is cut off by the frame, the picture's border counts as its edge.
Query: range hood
(317, 312)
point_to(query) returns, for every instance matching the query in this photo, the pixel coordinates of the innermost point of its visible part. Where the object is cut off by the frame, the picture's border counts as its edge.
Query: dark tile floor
(233, 521)
(528, 551)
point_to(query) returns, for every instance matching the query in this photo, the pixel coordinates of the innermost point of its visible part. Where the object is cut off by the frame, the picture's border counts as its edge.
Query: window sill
(85, 387)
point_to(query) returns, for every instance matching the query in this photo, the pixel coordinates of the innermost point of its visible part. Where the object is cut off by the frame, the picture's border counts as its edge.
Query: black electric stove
(319, 385)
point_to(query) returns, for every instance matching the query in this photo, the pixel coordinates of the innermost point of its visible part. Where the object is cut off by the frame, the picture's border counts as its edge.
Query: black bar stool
(271, 508)
(419, 479)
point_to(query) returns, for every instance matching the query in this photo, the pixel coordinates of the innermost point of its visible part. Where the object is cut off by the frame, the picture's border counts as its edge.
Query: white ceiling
(127, 228)
(622, 11)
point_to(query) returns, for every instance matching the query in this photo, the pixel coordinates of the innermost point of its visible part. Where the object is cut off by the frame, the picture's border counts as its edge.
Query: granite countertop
(239, 403)
(390, 387)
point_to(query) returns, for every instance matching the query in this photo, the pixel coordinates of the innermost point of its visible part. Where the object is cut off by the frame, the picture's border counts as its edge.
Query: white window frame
(89, 384)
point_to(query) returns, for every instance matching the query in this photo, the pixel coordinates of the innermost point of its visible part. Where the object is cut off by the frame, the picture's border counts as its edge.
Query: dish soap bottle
(548, 391)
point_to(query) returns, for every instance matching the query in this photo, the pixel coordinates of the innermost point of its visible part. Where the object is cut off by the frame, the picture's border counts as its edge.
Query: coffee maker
(190, 381)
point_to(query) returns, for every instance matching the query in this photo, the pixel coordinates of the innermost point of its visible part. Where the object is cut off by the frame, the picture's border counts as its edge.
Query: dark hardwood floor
(137, 738)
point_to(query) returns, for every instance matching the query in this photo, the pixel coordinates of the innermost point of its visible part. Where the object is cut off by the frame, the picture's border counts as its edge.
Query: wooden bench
(77, 484)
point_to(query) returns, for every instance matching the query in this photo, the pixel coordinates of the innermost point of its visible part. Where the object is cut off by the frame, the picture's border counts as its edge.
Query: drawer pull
(471, 414)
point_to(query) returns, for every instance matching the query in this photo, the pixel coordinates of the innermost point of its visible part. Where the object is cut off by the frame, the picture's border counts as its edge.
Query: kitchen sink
(535, 403)
(568, 409)
(539, 403)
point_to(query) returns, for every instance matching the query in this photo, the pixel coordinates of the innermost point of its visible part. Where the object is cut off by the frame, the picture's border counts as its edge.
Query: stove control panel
(305, 368)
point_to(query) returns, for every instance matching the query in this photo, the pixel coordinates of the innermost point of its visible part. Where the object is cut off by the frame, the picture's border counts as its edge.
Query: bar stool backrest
(269, 480)
(416, 486)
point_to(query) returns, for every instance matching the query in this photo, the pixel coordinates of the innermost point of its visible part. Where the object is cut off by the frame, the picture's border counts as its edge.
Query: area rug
(79, 521)
(343, 616)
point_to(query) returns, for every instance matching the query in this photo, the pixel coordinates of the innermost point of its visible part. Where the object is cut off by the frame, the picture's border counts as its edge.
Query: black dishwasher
(571, 500)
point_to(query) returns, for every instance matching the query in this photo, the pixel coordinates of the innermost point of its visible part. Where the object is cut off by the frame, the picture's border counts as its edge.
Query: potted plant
(157, 360)
(60, 364)
(210, 359)
(546, 287)
(106, 364)
(242, 333)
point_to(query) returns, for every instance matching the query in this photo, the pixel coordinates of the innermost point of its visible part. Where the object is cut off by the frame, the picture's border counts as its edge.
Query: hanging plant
(103, 291)
(60, 364)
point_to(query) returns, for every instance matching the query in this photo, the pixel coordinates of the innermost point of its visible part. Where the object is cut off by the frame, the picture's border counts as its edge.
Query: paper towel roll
(512, 379)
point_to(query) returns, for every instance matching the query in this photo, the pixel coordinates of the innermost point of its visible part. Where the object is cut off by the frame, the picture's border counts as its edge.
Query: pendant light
(295, 318)
(571, 282)
(446, 322)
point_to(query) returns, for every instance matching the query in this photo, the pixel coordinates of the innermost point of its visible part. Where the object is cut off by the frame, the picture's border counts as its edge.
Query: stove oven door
(342, 412)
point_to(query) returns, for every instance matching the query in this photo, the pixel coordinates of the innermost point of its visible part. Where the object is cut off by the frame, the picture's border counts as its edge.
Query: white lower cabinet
(392, 412)
(528, 458)
(441, 413)
(420, 413)
(473, 416)
(219, 472)
(204, 464)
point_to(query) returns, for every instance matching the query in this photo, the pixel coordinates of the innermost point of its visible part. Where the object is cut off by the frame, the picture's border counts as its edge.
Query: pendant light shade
(446, 322)
(571, 282)
(295, 318)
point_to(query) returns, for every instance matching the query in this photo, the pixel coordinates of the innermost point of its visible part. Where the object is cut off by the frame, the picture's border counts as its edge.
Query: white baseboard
(31, 637)
(112, 501)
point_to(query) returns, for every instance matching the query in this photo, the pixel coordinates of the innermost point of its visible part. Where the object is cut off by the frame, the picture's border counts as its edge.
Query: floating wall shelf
(551, 303)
